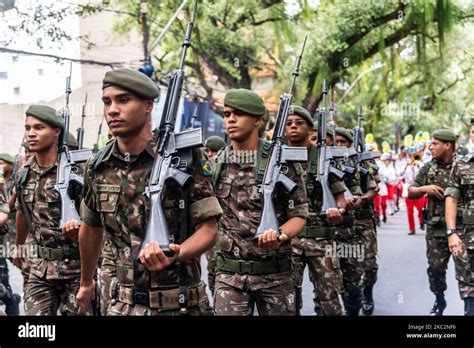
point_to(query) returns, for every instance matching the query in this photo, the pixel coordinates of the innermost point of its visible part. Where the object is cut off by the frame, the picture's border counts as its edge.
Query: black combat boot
(469, 306)
(368, 299)
(350, 308)
(439, 305)
(10, 300)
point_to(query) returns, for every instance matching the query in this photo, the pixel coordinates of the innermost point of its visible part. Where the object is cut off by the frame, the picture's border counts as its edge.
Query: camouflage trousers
(324, 272)
(238, 294)
(211, 268)
(438, 254)
(366, 230)
(47, 296)
(350, 249)
(464, 264)
(107, 272)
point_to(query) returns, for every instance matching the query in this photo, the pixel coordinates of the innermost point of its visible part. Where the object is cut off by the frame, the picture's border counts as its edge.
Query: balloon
(408, 140)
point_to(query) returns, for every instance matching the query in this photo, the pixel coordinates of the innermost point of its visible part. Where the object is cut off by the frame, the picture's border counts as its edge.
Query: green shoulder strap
(217, 169)
(98, 157)
(262, 157)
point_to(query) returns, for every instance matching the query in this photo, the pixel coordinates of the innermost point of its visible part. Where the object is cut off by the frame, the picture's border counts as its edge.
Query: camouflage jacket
(434, 172)
(368, 182)
(114, 199)
(461, 187)
(44, 208)
(237, 189)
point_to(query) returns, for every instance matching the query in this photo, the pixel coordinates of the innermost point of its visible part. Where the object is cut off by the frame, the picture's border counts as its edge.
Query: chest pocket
(468, 179)
(107, 198)
(52, 196)
(28, 192)
(224, 187)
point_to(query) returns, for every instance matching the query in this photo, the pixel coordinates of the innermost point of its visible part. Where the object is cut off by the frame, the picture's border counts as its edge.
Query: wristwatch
(450, 231)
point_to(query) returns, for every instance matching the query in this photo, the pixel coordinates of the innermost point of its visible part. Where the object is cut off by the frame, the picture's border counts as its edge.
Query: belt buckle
(141, 298)
(246, 267)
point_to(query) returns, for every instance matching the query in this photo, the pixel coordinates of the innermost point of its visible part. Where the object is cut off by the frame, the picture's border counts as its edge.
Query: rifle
(327, 156)
(96, 145)
(279, 156)
(167, 158)
(80, 130)
(67, 165)
(359, 146)
(343, 161)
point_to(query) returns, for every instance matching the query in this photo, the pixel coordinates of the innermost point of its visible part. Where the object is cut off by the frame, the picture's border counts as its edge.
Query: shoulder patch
(206, 167)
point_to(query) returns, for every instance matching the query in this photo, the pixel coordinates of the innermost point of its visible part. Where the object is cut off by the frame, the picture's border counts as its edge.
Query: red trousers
(377, 206)
(411, 205)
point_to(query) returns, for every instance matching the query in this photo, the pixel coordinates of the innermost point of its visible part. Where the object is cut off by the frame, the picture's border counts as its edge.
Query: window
(16, 90)
(3, 75)
(40, 72)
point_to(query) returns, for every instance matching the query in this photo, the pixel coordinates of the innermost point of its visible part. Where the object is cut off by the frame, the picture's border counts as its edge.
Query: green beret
(302, 112)
(215, 143)
(245, 100)
(133, 81)
(47, 114)
(6, 157)
(346, 133)
(444, 135)
(71, 141)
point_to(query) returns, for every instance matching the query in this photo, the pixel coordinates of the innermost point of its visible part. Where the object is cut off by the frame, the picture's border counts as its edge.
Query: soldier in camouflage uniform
(432, 180)
(212, 146)
(460, 196)
(55, 269)
(365, 227)
(318, 237)
(144, 282)
(349, 237)
(253, 271)
(7, 297)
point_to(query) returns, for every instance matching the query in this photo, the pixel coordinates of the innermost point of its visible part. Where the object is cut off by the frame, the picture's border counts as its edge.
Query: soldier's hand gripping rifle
(80, 130)
(67, 165)
(359, 146)
(327, 156)
(167, 155)
(279, 156)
